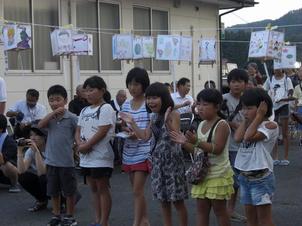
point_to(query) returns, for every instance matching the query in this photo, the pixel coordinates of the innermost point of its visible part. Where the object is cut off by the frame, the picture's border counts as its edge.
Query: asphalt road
(287, 207)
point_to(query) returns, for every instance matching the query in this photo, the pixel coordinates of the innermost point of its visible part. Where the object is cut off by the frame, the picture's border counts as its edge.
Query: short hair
(254, 96)
(32, 93)
(209, 84)
(182, 81)
(140, 76)
(238, 75)
(158, 89)
(3, 122)
(253, 65)
(57, 90)
(210, 95)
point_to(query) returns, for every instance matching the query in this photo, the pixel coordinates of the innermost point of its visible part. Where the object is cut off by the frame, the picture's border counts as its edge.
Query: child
(257, 136)
(280, 89)
(168, 169)
(217, 186)
(61, 125)
(94, 132)
(136, 152)
(237, 80)
(298, 103)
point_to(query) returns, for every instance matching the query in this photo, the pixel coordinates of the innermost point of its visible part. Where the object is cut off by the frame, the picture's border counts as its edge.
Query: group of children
(239, 151)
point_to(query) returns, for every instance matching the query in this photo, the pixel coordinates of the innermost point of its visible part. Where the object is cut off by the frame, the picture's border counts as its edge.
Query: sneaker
(38, 206)
(284, 162)
(14, 189)
(236, 217)
(69, 221)
(276, 162)
(54, 221)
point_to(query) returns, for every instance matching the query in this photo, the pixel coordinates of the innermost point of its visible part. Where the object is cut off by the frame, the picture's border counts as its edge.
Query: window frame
(33, 70)
(151, 8)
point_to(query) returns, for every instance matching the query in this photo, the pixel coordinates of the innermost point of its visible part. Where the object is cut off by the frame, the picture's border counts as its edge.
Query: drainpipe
(220, 45)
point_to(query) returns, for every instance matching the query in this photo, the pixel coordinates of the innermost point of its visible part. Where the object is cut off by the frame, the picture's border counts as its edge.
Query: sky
(266, 9)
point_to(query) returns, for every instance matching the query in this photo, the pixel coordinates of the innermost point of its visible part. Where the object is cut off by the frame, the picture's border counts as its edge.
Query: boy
(237, 80)
(61, 126)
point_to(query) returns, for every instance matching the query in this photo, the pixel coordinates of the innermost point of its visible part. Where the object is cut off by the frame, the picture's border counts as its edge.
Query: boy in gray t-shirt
(61, 125)
(237, 80)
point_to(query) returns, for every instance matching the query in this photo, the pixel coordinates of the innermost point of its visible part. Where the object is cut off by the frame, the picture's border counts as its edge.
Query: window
(105, 18)
(40, 12)
(147, 22)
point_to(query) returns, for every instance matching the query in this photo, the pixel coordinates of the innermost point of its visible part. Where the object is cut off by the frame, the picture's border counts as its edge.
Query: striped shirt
(136, 151)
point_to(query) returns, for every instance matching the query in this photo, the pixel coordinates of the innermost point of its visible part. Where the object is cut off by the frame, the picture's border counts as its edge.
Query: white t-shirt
(257, 155)
(278, 89)
(298, 94)
(30, 114)
(3, 94)
(101, 154)
(179, 100)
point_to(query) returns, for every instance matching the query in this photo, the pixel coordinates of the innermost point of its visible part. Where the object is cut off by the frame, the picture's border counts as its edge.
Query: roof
(228, 4)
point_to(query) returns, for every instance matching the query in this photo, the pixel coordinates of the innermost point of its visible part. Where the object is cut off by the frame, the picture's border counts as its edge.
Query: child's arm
(99, 135)
(143, 134)
(55, 114)
(240, 131)
(172, 121)
(77, 135)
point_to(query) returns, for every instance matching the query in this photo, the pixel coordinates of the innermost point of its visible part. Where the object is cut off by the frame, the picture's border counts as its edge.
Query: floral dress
(168, 180)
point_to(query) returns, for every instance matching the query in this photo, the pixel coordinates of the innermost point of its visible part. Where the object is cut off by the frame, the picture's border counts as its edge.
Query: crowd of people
(237, 132)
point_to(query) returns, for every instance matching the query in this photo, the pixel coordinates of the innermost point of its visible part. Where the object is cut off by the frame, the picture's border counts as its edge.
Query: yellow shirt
(220, 164)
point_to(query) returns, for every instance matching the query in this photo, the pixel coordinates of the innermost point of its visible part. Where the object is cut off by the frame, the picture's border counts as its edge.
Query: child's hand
(262, 109)
(191, 137)
(59, 112)
(178, 137)
(126, 117)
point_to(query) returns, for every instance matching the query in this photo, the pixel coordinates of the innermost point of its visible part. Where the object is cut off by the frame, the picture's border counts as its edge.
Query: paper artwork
(168, 47)
(61, 42)
(122, 47)
(17, 37)
(82, 44)
(137, 46)
(207, 50)
(266, 44)
(148, 47)
(186, 45)
(288, 58)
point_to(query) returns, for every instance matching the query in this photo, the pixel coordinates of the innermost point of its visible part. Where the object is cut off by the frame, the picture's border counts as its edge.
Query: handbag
(200, 163)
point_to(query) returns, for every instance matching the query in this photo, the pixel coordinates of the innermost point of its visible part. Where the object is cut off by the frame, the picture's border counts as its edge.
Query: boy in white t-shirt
(280, 89)
(257, 136)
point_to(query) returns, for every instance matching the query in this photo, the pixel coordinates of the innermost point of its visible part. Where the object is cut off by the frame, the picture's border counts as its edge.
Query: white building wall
(202, 17)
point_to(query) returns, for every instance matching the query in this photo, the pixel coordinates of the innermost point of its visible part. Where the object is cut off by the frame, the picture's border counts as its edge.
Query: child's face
(206, 110)
(237, 86)
(249, 112)
(154, 103)
(135, 89)
(55, 101)
(94, 95)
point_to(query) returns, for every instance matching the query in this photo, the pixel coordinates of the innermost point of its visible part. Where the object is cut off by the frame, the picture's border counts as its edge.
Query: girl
(135, 151)
(298, 102)
(217, 187)
(257, 136)
(93, 134)
(32, 168)
(168, 169)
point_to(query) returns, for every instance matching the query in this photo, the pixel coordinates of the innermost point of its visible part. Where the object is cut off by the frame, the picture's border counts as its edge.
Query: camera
(23, 142)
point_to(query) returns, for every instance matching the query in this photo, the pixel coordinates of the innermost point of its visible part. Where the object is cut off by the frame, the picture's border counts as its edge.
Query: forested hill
(237, 52)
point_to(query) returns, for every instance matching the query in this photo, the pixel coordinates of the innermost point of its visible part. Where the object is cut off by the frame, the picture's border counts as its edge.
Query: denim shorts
(232, 157)
(257, 191)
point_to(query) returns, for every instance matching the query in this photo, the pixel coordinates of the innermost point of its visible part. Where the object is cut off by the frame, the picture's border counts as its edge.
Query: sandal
(38, 206)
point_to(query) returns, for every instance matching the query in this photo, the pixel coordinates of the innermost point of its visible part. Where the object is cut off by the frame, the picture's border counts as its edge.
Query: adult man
(3, 95)
(183, 102)
(26, 112)
(120, 98)
(79, 101)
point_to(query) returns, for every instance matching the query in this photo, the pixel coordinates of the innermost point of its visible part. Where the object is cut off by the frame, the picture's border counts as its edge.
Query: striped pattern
(136, 151)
